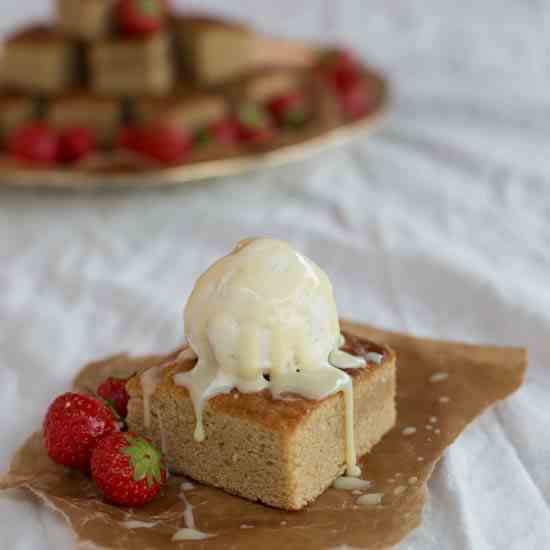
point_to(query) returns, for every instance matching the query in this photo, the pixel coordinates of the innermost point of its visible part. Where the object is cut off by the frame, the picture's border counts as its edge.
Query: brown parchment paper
(477, 377)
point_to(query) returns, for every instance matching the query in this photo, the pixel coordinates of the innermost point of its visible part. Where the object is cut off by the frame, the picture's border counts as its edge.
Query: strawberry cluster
(85, 433)
(39, 145)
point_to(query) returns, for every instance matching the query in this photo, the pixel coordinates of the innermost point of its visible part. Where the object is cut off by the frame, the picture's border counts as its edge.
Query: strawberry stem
(144, 458)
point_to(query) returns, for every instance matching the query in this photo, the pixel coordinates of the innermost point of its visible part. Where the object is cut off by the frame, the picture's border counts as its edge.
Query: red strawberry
(127, 469)
(35, 144)
(127, 138)
(256, 124)
(289, 110)
(140, 16)
(73, 426)
(75, 144)
(356, 101)
(113, 390)
(226, 130)
(339, 59)
(342, 70)
(166, 144)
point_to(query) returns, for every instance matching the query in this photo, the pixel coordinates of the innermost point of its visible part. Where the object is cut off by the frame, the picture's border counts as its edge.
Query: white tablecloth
(439, 226)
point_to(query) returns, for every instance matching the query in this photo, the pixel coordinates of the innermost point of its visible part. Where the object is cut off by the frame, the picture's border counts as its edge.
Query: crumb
(438, 377)
(399, 490)
(410, 430)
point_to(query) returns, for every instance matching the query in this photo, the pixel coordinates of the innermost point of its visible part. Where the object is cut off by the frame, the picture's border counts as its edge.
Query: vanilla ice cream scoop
(265, 317)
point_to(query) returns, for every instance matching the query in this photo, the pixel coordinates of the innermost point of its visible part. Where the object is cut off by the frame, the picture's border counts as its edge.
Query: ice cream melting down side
(264, 317)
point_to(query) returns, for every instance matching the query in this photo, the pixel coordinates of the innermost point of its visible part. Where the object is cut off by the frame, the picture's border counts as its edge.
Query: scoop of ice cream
(265, 317)
(263, 309)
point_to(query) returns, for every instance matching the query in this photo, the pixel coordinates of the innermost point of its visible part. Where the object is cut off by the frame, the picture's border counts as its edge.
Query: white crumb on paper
(438, 377)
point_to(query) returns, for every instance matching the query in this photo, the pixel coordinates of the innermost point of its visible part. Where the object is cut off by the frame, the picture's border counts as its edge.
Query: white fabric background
(439, 226)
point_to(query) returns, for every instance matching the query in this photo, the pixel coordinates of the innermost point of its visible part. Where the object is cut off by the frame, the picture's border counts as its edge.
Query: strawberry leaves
(144, 458)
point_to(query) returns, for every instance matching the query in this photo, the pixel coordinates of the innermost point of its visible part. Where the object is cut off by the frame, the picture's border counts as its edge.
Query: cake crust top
(261, 407)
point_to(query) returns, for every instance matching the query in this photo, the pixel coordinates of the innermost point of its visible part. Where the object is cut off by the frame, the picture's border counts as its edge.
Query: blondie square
(39, 59)
(103, 115)
(284, 453)
(132, 66)
(86, 19)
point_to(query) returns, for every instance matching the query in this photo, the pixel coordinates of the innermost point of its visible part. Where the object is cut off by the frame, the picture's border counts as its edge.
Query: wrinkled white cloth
(439, 226)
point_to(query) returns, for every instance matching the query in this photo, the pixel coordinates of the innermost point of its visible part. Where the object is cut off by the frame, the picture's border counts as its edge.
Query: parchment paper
(398, 467)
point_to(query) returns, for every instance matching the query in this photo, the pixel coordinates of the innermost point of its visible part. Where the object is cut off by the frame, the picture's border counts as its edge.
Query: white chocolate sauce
(135, 524)
(374, 357)
(264, 317)
(351, 484)
(190, 531)
(438, 377)
(371, 499)
(343, 360)
(163, 436)
(151, 378)
(409, 430)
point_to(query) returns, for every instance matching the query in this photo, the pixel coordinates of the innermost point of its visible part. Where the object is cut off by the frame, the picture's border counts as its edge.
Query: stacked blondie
(124, 71)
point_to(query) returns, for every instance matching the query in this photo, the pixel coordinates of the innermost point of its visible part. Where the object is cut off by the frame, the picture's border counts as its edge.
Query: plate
(123, 172)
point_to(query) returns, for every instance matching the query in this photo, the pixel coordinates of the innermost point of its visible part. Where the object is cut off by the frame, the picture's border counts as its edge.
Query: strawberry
(35, 144)
(339, 59)
(289, 110)
(341, 70)
(356, 101)
(226, 130)
(139, 17)
(166, 144)
(127, 469)
(127, 138)
(75, 144)
(73, 426)
(256, 124)
(113, 390)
